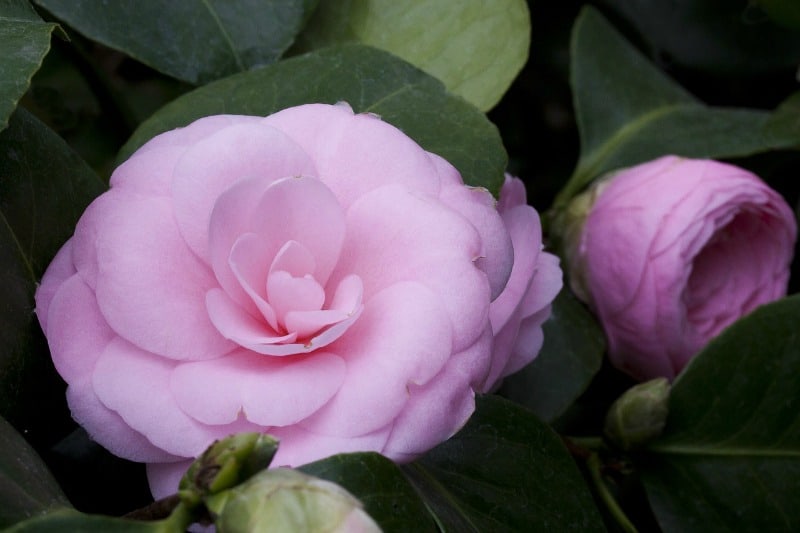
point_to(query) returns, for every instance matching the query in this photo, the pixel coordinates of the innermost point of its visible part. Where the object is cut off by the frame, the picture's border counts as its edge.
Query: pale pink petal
(148, 172)
(295, 259)
(403, 336)
(293, 209)
(512, 194)
(240, 327)
(395, 235)
(60, 269)
(107, 428)
(150, 288)
(249, 264)
(287, 293)
(438, 409)
(164, 478)
(136, 385)
(212, 165)
(307, 323)
(299, 446)
(195, 131)
(76, 330)
(355, 154)
(267, 391)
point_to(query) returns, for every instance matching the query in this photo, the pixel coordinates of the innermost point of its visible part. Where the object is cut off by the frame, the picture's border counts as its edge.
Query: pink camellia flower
(314, 274)
(673, 251)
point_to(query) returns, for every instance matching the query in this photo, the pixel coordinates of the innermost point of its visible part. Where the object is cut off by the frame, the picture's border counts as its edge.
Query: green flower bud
(285, 500)
(639, 415)
(226, 463)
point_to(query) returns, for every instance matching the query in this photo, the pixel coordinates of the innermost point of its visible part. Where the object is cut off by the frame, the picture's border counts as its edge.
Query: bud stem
(594, 466)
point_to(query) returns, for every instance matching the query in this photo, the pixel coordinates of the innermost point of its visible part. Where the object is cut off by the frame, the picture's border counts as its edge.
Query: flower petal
(268, 391)
(150, 287)
(60, 269)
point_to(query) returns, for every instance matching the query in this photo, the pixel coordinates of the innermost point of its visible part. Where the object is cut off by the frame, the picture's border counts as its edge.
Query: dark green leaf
(75, 522)
(44, 189)
(381, 487)
(476, 48)
(785, 120)
(195, 41)
(505, 471)
(27, 488)
(629, 112)
(368, 79)
(572, 353)
(729, 457)
(24, 41)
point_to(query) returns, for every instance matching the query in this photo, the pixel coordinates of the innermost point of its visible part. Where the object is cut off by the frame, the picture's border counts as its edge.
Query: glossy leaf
(476, 48)
(730, 454)
(504, 471)
(370, 80)
(27, 488)
(382, 488)
(24, 41)
(44, 189)
(73, 521)
(195, 40)
(629, 112)
(573, 350)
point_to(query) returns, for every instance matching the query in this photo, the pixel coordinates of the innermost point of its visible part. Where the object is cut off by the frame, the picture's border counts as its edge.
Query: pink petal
(404, 336)
(287, 293)
(148, 172)
(249, 263)
(136, 385)
(293, 209)
(299, 446)
(76, 330)
(164, 478)
(107, 428)
(295, 259)
(212, 165)
(395, 235)
(60, 269)
(150, 287)
(267, 391)
(236, 324)
(355, 154)
(195, 131)
(437, 410)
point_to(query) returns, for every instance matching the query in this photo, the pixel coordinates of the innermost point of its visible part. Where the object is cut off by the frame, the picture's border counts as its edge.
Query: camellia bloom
(670, 252)
(314, 274)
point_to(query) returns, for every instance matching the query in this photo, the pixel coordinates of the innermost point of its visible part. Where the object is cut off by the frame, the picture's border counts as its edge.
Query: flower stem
(613, 507)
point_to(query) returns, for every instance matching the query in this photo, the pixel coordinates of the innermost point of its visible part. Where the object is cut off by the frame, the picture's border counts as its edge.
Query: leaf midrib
(225, 34)
(710, 451)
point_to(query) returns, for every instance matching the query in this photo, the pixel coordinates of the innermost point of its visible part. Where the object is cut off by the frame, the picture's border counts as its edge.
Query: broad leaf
(370, 80)
(73, 521)
(729, 457)
(476, 48)
(24, 41)
(193, 40)
(629, 112)
(570, 357)
(381, 487)
(27, 488)
(44, 189)
(504, 471)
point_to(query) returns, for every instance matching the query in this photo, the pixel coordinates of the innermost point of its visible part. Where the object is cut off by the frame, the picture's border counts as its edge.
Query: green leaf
(44, 189)
(729, 457)
(370, 80)
(24, 41)
(504, 471)
(629, 112)
(476, 48)
(75, 522)
(193, 40)
(784, 122)
(570, 357)
(381, 487)
(27, 488)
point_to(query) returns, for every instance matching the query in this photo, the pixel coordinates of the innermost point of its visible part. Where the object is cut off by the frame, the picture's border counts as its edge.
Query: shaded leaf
(27, 488)
(730, 454)
(476, 48)
(651, 115)
(504, 471)
(381, 487)
(572, 353)
(24, 41)
(370, 80)
(44, 190)
(224, 36)
(73, 521)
